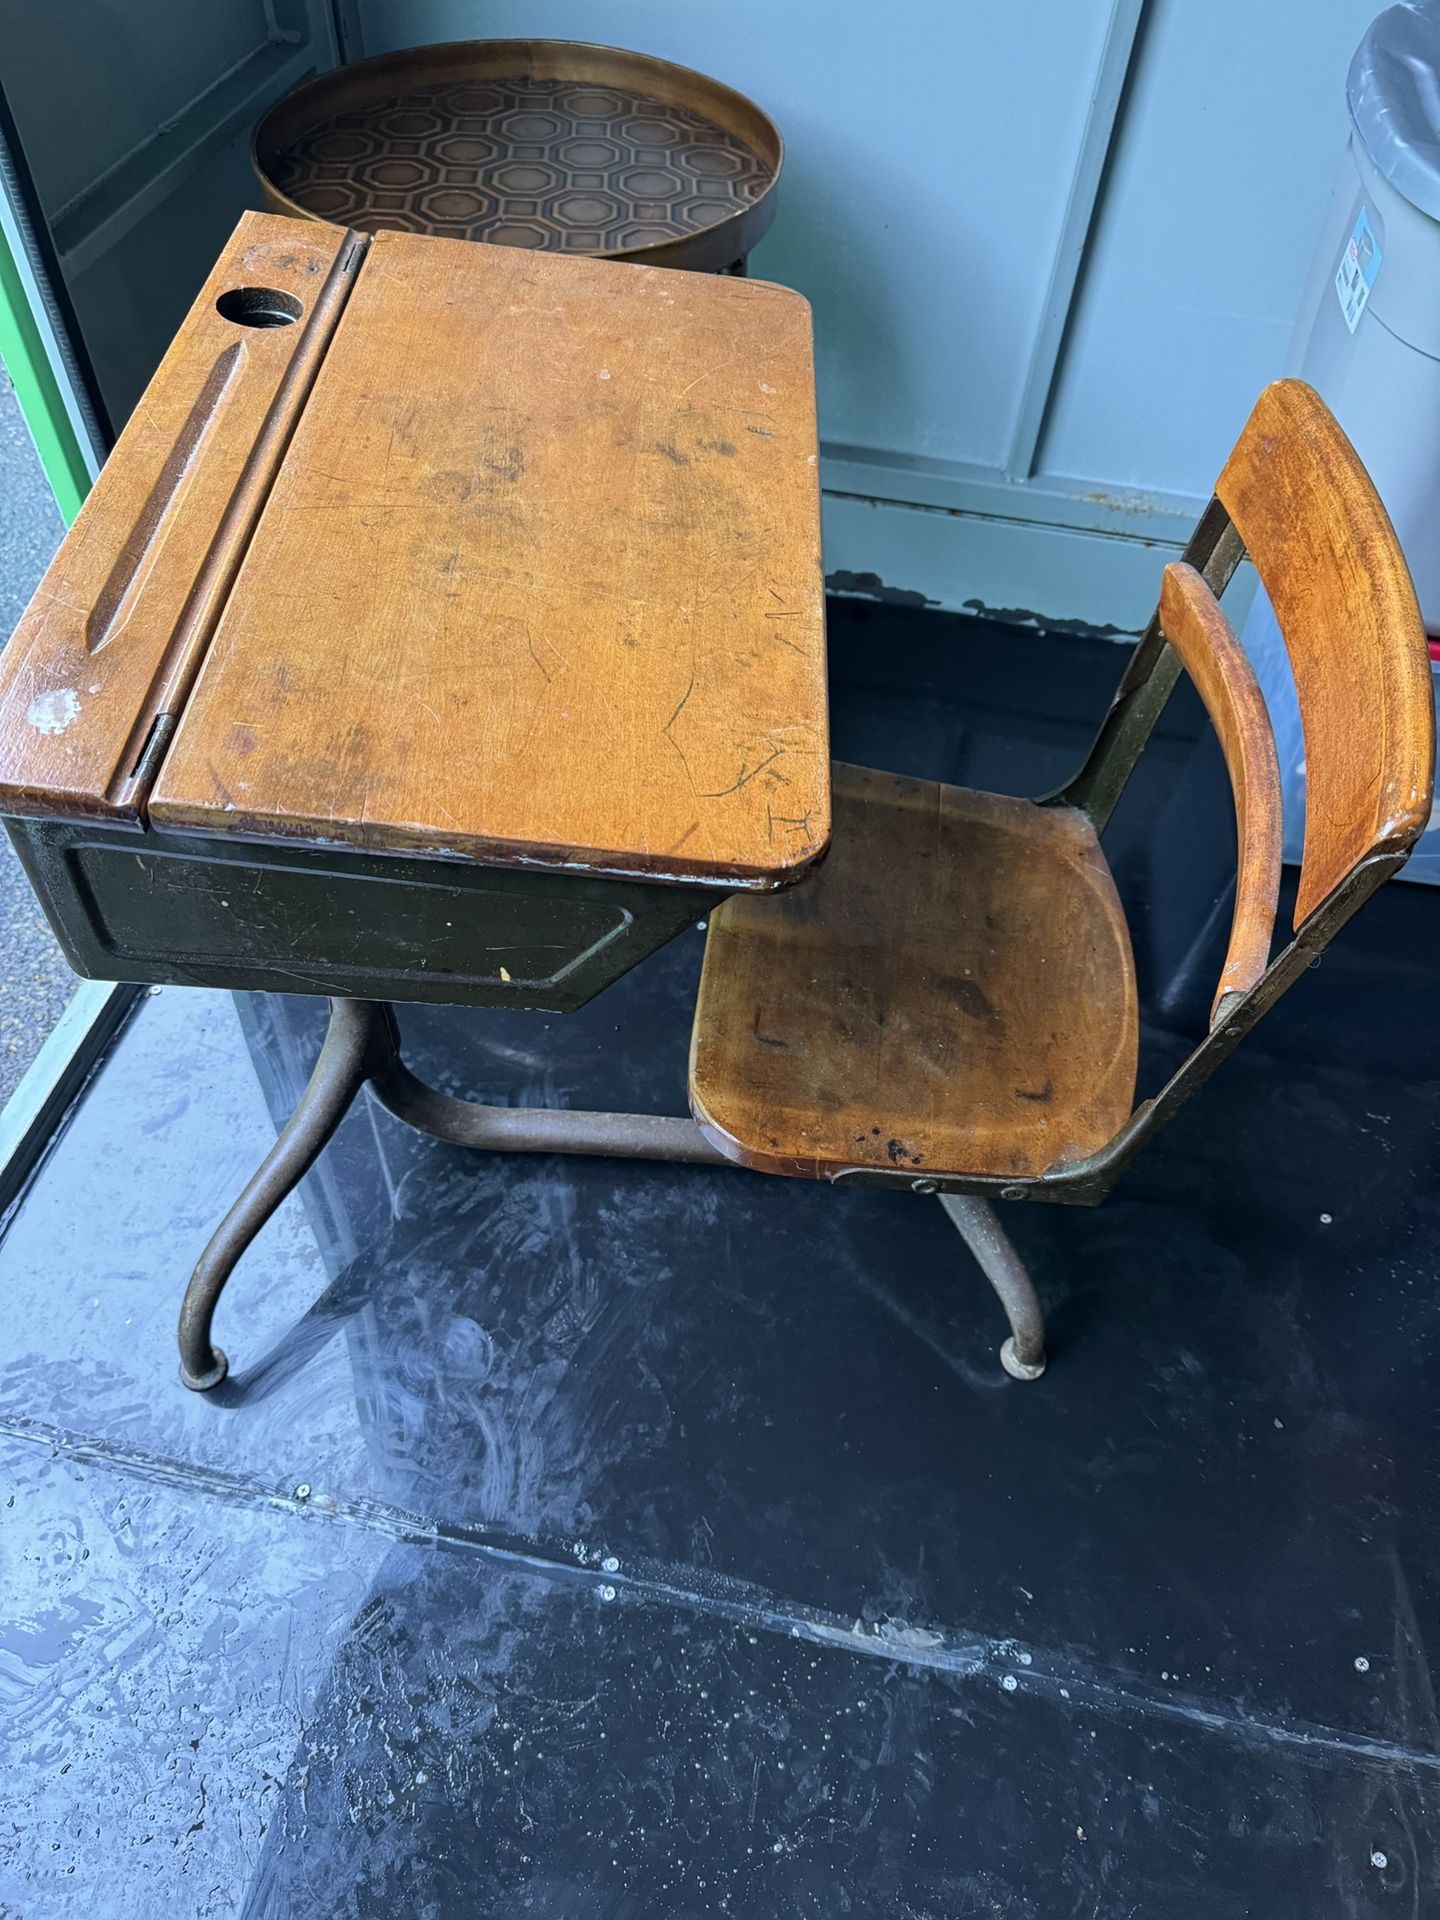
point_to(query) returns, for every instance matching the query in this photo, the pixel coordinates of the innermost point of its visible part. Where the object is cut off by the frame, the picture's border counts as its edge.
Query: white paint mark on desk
(52, 712)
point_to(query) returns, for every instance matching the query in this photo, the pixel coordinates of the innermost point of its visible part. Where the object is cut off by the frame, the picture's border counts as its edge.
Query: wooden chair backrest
(1294, 496)
(1323, 545)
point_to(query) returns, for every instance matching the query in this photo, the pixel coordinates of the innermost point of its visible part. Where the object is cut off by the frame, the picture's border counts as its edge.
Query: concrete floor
(35, 982)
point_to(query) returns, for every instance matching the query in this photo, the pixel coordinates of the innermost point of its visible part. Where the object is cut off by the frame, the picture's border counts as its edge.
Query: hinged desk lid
(499, 555)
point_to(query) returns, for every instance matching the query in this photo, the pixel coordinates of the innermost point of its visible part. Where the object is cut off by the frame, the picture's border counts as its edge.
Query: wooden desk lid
(492, 554)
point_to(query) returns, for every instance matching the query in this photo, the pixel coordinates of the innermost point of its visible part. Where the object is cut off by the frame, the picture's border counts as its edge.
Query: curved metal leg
(359, 1042)
(1023, 1354)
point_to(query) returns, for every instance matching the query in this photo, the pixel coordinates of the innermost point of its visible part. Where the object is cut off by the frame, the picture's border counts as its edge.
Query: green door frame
(42, 405)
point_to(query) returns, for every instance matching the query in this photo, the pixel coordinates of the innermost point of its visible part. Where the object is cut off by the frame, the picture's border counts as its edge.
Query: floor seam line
(956, 1655)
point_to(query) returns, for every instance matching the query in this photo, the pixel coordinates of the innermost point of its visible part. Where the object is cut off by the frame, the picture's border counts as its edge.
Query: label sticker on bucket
(1359, 265)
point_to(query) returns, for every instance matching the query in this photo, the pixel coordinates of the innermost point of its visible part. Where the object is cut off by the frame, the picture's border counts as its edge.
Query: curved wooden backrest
(1325, 549)
(1205, 643)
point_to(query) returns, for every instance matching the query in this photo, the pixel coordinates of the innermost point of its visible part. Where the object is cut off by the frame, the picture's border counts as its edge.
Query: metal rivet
(924, 1186)
(1012, 1193)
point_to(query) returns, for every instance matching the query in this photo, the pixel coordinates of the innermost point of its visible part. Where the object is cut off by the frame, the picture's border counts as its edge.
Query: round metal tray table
(550, 144)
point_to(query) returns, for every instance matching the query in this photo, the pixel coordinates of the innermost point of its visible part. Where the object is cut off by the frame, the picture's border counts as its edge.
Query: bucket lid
(1394, 94)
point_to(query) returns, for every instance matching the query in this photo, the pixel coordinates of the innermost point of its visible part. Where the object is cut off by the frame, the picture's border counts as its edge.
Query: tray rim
(738, 115)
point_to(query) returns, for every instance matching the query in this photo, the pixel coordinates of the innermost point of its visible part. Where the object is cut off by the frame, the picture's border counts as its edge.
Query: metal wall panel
(1217, 190)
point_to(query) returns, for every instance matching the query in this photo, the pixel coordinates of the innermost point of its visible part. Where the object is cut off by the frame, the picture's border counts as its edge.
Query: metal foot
(1023, 1354)
(1017, 1368)
(359, 1042)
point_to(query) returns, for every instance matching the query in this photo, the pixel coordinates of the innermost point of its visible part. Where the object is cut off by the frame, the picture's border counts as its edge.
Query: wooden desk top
(497, 555)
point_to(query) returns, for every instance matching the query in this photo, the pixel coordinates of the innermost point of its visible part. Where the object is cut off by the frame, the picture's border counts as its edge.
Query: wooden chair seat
(951, 993)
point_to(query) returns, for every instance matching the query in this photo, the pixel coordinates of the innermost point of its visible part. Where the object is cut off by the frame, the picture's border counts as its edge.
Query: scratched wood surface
(1196, 627)
(951, 992)
(120, 619)
(538, 581)
(1327, 553)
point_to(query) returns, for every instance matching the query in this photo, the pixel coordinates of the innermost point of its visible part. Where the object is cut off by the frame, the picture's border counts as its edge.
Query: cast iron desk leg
(362, 1044)
(358, 1042)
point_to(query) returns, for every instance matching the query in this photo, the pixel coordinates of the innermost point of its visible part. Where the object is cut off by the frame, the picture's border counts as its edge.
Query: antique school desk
(446, 626)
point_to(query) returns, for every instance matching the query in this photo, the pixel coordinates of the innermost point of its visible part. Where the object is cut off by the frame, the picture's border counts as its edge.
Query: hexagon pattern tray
(570, 166)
